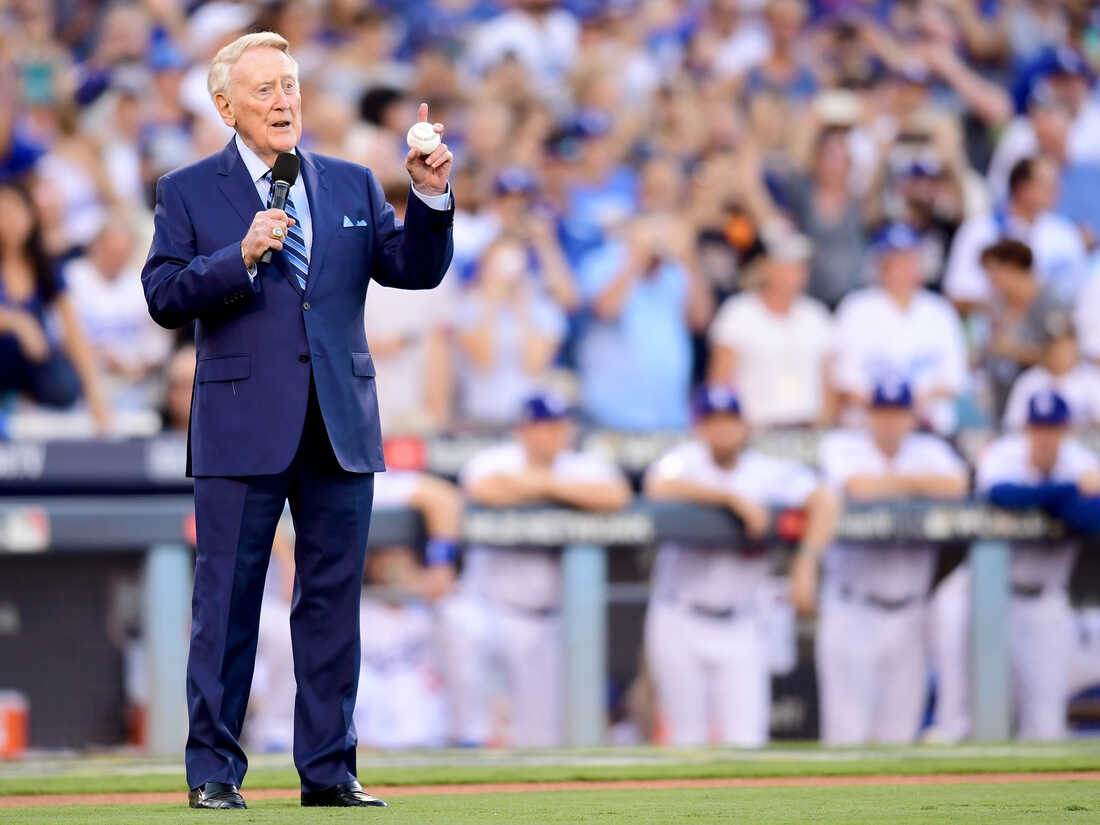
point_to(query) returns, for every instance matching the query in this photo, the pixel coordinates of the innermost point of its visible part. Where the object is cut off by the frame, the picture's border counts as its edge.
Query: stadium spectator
(895, 330)
(105, 289)
(1042, 467)
(922, 181)
(704, 646)
(645, 299)
(774, 344)
(508, 334)
(507, 609)
(536, 34)
(1078, 180)
(1027, 216)
(870, 639)
(1060, 370)
(411, 341)
(1058, 78)
(32, 361)
(823, 207)
(1018, 316)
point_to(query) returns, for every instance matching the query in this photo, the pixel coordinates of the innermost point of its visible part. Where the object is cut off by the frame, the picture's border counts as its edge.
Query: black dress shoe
(216, 795)
(344, 795)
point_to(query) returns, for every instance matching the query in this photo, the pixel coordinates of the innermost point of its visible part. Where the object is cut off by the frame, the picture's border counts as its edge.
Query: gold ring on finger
(277, 232)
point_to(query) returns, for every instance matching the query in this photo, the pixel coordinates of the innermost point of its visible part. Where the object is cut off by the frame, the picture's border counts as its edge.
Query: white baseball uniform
(921, 344)
(505, 619)
(401, 701)
(1080, 387)
(1042, 645)
(394, 488)
(704, 635)
(870, 647)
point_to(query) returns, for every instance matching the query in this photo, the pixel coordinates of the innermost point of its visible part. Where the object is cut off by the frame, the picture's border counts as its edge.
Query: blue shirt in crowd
(636, 369)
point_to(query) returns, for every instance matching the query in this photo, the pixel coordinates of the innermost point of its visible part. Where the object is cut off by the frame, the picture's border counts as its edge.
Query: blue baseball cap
(716, 398)
(515, 180)
(892, 395)
(897, 237)
(1047, 409)
(544, 407)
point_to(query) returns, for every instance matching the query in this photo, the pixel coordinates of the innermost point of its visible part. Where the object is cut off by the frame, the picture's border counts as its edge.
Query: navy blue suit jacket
(258, 341)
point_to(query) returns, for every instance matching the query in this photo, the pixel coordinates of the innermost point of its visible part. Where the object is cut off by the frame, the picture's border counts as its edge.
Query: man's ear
(225, 108)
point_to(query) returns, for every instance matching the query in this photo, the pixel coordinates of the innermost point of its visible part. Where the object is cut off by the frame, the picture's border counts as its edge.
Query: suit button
(305, 306)
(303, 358)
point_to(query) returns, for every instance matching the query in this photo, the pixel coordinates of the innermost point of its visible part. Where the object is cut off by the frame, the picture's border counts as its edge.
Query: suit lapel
(237, 185)
(320, 215)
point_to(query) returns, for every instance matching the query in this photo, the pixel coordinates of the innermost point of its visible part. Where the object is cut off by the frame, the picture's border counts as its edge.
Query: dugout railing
(159, 526)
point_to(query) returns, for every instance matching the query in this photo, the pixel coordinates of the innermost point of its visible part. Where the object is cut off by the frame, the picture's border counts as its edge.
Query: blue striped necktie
(294, 245)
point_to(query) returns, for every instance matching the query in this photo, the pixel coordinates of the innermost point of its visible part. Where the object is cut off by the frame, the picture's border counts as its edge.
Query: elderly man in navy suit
(284, 404)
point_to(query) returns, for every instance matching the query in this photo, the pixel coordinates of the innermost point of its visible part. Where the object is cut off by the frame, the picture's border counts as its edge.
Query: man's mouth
(281, 124)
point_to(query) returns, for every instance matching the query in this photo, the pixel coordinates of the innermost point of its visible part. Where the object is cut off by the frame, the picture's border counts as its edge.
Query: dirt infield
(48, 800)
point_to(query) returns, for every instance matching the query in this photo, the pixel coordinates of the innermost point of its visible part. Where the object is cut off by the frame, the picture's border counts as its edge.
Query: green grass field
(1038, 803)
(1041, 804)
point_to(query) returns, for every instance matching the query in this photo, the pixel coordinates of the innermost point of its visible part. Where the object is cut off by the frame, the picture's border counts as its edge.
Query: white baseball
(424, 137)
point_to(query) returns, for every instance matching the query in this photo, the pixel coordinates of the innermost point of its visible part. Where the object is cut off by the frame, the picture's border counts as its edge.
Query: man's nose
(282, 99)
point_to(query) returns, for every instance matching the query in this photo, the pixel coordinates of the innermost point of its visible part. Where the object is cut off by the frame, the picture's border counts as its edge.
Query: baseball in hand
(424, 137)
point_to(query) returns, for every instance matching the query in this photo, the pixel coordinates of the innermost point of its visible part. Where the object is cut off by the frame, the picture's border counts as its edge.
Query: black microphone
(283, 175)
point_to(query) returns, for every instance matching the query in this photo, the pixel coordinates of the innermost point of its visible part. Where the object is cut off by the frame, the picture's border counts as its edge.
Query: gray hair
(217, 82)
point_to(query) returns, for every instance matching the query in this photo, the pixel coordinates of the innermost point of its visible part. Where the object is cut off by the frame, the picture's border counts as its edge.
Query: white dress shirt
(257, 169)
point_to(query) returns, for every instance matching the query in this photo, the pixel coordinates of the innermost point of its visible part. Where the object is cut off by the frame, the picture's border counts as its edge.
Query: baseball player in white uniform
(505, 618)
(401, 700)
(1043, 467)
(870, 646)
(704, 640)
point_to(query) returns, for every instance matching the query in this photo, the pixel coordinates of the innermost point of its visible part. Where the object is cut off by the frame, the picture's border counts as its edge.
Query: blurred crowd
(836, 208)
(649, 193)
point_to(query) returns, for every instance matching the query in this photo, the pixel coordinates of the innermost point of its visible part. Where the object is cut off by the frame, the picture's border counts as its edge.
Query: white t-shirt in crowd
(897, 572)
(922, 344)
(115, 319)
(1008, 460)
(717, 577)
(401, 376)
(1060, 261)
(1080, 387)
(526, 578)
(779, 373)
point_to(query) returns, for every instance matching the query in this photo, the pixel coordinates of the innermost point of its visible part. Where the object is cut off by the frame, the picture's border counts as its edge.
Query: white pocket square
(347, 221)
(360, 223)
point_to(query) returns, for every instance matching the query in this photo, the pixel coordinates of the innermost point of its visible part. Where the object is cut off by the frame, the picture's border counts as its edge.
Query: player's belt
(716, 613)
(878, 602)
(1027, 591)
